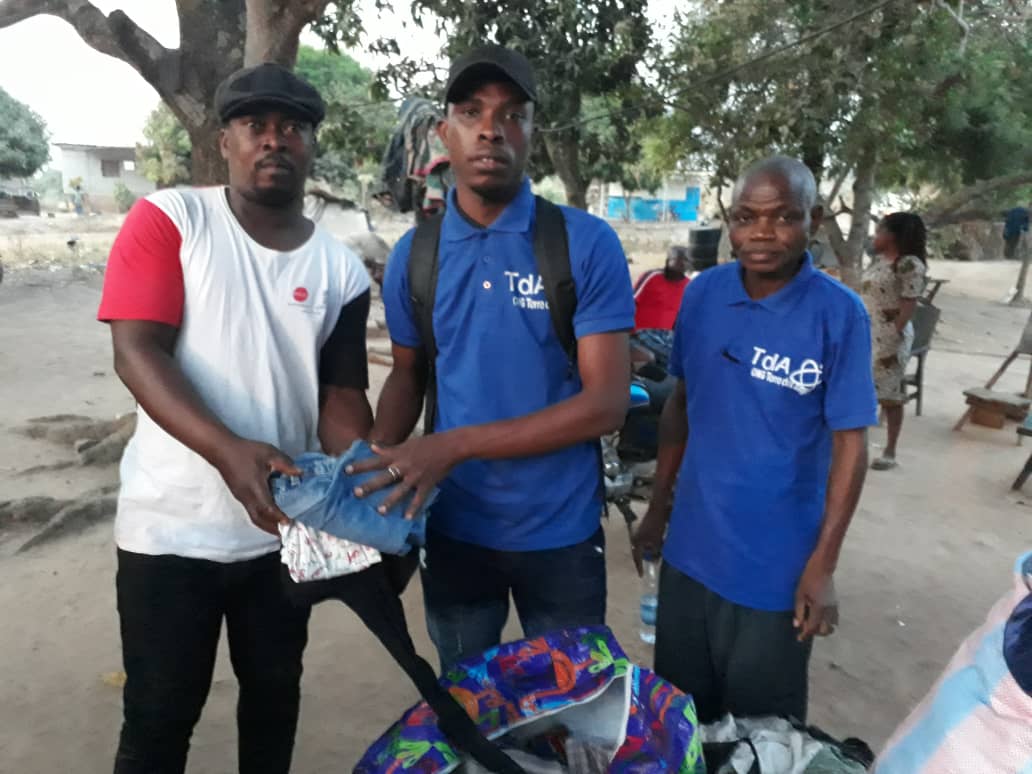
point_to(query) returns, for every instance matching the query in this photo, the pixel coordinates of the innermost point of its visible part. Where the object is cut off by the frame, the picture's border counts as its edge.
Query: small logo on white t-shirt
(300, 294)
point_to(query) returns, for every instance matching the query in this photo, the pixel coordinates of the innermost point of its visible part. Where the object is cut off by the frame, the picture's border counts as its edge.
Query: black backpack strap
(552, 253)
(422, 278)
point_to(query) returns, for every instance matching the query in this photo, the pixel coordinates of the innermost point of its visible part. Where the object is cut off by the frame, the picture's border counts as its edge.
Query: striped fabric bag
(977, 719)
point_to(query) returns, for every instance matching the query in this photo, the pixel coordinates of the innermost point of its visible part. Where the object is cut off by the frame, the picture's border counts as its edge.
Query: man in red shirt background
(657, 294)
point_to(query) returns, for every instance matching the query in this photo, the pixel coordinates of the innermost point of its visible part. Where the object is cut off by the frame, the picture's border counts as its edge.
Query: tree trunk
(213, 35)
(207, 167)
(852, 257)
(274, 29)
(563, 152)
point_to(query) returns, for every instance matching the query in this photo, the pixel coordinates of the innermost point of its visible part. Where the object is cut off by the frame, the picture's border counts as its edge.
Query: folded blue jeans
(323, 498)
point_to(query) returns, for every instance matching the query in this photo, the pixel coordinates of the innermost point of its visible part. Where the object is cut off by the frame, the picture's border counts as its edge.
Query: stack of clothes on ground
(778, 746)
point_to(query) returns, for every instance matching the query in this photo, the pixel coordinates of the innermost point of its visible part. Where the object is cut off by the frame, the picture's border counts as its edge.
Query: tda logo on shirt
(524, 287)
(773, 368)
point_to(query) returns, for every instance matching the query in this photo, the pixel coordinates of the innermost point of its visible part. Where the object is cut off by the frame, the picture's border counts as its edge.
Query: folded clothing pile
(311, 555)
(770, 745)
(323, 498)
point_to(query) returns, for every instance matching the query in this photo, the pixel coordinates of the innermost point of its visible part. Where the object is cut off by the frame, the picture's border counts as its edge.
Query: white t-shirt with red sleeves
(252, 327)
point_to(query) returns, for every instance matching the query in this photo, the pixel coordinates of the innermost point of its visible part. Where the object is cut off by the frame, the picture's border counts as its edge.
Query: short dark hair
(908, 230)
(798, 176)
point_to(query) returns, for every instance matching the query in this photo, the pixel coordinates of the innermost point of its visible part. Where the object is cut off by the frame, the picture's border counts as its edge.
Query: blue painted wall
(651, 210)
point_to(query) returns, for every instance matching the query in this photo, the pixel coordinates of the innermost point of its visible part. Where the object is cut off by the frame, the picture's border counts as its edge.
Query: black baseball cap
(488, 63)
(269, 85)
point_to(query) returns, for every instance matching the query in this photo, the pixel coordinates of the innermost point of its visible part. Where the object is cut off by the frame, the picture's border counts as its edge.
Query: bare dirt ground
(931, 547)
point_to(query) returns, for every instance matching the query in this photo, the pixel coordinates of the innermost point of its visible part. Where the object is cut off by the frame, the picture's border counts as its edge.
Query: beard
(497, 191)
(276, 197)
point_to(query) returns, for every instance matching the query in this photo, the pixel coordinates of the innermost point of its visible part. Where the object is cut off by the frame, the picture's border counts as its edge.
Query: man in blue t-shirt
(765, 436)
(1016, 224)
(515, 447)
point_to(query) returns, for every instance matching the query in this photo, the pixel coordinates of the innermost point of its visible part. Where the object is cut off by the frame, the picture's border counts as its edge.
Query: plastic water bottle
(649, 598)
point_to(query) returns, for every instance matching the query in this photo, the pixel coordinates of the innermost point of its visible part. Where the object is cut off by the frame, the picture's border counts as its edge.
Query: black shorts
(728, 657)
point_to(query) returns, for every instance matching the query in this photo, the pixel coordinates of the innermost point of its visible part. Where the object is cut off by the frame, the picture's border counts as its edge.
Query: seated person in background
(657, 294)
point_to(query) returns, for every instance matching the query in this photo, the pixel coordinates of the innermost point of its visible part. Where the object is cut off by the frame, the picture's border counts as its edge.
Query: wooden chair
(925, 318)
(1027, 470)
(1012, 406)
(932, 288)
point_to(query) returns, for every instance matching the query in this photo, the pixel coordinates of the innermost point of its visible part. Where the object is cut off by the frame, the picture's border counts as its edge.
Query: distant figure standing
(1015, 225)
(78, 198)
(891, 288)
(657, 294)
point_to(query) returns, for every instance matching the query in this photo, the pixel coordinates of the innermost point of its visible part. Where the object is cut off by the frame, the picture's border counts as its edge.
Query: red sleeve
(144, 276)
(643, 282)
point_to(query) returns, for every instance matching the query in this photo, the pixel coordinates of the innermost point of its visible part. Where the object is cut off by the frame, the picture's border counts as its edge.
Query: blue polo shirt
(499, 358)
(767, 382)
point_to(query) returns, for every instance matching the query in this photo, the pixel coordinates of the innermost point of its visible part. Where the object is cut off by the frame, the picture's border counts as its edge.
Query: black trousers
(466, 591)
(171, 610)
(728, 657)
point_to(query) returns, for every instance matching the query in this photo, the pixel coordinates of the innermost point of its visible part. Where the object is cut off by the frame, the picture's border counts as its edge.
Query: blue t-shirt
(498, 357)
(1016, 223)
(767, 382)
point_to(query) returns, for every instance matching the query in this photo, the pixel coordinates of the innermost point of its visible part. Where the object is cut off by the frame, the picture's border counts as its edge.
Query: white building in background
(101, 168)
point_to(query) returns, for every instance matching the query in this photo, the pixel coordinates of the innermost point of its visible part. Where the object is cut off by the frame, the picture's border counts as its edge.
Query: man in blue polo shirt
(765, 436)
(515, 449)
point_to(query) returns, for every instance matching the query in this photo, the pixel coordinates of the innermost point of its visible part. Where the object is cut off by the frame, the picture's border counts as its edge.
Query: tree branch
(946, 209)
(958, 16)
(839, 181)
(966, 216)
(720, 204)
(115, 35)
(274, 27)
(835, 236)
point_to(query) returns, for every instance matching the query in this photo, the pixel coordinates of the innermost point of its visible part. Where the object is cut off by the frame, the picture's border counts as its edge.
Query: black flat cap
(481, 65)
(268, 85)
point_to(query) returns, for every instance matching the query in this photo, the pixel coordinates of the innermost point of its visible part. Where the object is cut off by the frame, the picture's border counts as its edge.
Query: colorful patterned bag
(579, 679)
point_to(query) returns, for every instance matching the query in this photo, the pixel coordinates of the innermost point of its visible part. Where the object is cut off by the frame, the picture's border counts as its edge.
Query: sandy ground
(931, 548)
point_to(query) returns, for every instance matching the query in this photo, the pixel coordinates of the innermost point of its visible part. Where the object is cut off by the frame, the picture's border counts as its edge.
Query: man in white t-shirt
(239, 327)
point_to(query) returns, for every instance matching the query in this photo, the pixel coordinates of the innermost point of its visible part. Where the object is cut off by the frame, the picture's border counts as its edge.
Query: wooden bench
(991, 409)
(997, 405)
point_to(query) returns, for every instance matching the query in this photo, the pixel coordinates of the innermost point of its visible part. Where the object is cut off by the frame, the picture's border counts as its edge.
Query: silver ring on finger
(395, 473)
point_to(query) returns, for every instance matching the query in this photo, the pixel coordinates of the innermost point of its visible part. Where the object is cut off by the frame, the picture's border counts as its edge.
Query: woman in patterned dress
(891, 288)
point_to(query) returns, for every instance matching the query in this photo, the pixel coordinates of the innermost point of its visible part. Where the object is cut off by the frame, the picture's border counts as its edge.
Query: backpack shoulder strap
(422, 279)
(552, 253)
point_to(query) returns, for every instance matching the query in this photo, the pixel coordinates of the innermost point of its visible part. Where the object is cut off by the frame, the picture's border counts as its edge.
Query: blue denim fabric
(323, 498)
